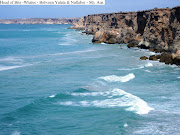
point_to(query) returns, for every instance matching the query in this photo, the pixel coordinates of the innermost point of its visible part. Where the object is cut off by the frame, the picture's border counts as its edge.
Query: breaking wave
(114, 78)
(113, 98)
(52, 96)
(139, 67)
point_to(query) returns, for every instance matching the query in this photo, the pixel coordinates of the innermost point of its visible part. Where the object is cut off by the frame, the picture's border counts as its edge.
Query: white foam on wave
(114, 78)
(68, 103)
(152, 53)
(128, 69)
(52, 96)
(2, 68)
(68, 40)
(147, 71)
(125, 125)
(115, 98)
(148, 64)
(91, 94)
(178, 77)
(139, 67)
(11, 59)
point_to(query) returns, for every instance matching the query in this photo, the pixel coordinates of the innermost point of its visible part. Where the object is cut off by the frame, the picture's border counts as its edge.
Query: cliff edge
(40, 21)
(157, 29)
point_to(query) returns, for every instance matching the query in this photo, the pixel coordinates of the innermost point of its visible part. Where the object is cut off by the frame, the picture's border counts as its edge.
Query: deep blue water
(54, 81)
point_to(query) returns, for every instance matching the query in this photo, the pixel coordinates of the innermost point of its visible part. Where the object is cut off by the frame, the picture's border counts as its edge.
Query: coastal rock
(158, 56)
(157, 30)
(151, 49)
(143, 58)
(111, 36)
(176, 60)
(153, 57)
(132, 44)
(159, 50)
(167, 58)
(99, 37)
(78, 25)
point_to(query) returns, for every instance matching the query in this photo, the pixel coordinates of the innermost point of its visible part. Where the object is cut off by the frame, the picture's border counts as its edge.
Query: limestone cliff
(156, 28)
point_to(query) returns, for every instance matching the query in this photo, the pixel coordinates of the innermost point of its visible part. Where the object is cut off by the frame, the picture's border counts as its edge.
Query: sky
(67, 11)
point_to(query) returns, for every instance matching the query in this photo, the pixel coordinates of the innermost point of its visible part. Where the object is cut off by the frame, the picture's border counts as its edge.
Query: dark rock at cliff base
(89, 33)
(132, 44)
(142, 46)
(153, 57)
(79, 29)
(111, 41)
(96, 42)
(167, 58)
(176, 61)
(159, 50)
(158, 56)
(151, 49)
(143, 58)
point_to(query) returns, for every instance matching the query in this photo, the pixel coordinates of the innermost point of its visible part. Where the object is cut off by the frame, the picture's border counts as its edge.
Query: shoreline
(157, 30)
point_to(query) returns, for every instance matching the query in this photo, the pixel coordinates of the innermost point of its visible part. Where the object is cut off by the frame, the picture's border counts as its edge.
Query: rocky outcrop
(78, 25)
(153, 57)
(133, 44)
(40, 21)
(156, 29)
(143, 58)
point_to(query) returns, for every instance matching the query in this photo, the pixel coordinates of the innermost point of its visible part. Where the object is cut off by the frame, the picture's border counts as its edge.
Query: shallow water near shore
(55, 81)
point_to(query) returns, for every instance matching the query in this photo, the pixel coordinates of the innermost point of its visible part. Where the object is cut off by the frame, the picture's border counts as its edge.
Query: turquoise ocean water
(53, 81)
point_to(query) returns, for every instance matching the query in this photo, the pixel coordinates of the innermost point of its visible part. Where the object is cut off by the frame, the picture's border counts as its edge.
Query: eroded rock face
(133, 43)
(78, 25)
(157, 29)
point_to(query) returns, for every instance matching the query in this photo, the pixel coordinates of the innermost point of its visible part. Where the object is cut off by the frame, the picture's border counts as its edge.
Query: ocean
(54, 81)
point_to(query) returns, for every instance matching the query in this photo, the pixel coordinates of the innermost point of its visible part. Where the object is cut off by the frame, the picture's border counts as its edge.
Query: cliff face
(157, 28)
(162, 29)
(40, 21)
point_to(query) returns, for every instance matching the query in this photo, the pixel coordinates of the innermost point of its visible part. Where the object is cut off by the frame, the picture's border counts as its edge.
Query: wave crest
(114, 98)
(114, 78)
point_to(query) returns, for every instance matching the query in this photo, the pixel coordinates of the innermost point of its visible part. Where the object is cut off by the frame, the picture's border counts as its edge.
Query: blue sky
(8, 12)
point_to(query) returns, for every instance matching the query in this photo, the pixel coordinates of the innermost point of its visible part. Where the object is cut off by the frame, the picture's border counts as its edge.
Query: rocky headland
(40, 21)
(157, 30)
